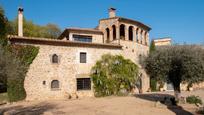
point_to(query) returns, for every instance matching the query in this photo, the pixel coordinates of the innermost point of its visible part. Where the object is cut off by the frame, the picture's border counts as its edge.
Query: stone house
(163, 41)
(62, 67)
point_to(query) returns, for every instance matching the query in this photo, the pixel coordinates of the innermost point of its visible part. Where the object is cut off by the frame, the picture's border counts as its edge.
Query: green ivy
(28, 54)
(15, 83)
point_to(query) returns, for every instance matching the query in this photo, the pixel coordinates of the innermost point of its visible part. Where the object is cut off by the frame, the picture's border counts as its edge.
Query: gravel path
(129, 105)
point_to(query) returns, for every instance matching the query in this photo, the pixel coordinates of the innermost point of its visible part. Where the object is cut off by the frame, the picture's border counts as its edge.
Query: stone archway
(130, 33)
(122, 31)
(107, 35)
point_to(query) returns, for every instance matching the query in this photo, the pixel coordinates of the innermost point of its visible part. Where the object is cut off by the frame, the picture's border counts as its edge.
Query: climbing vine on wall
(24, 56)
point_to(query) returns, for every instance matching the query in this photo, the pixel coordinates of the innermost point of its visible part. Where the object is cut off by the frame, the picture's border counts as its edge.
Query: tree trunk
(177, 91)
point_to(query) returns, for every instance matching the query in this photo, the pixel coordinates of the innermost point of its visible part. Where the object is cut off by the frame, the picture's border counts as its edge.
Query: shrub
(114, 75)
(153, 84)
(193, 99)
(15, 63)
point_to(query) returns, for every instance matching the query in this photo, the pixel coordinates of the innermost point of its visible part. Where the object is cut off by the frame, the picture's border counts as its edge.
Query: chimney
(111, 12)
(20, 21)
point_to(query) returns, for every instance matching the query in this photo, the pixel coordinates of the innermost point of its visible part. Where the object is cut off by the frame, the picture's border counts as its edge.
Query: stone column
(126, 32)
(104, 36)
(139, 35)
(111, 34)
(118, 34)
(134, 34)
(147, 38)
(143, 37)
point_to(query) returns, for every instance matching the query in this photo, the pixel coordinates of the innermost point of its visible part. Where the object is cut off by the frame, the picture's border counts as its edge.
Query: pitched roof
(56, 42)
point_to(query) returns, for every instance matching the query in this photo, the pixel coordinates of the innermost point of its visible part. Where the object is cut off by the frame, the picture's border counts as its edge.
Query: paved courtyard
(130, 105)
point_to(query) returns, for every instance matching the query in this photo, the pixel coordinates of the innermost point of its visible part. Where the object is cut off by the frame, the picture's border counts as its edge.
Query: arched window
(122, 31)
(130, 31)
(54, 84)
(55, 58)
(108, 34)
(137, 35)
(114, 32)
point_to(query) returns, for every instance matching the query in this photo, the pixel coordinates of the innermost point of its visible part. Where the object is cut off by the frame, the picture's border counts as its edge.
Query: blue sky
(183, 20)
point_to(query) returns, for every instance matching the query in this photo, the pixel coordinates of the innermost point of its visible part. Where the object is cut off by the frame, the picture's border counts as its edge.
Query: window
(83, 83)
(82, 38)
(108, 35)
(122, 31)
(130, 30)
(44, 82)
(55, 58)
(82, 57)
(55, 84)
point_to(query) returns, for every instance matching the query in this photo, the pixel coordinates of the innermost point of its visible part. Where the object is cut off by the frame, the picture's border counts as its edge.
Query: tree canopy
(33, 30)
(14, 61)
(3, 27)
(152, 47)
(181, 63)
(112, 74)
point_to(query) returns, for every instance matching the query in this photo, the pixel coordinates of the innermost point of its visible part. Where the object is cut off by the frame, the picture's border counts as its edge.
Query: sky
(182, 20)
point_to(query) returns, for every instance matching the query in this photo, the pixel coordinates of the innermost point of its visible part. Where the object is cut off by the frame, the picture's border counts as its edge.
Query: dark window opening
(122, 31)
(114, 32)
(82, 57)
(130, 33)
(82, 38)
(108, 35)
(55, 58)
(44, 82)
(83, 83)
(54, 84)
(67, 37)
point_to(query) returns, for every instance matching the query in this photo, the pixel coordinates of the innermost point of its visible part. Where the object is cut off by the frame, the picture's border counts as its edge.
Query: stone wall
(69, 68)
(133, 51)
(66, 71)
(42, 71)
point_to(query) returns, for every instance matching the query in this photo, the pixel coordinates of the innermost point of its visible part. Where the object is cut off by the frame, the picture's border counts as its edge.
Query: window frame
(85, 84)
(81, 60)
(55, 59)
(55, 88)
(82, 38)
